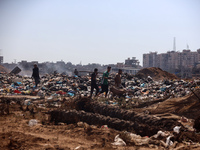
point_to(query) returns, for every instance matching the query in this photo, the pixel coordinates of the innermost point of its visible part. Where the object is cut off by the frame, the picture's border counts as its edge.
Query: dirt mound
(155, 73)
(187, 106)
(3, 69)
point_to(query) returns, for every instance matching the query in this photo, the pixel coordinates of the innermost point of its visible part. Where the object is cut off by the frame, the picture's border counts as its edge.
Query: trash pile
(64, 85)
(143, 89)
(50, 85)
(135, 93)
(65, 100)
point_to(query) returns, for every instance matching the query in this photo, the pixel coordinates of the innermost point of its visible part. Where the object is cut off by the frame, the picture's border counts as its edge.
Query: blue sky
(96, 31)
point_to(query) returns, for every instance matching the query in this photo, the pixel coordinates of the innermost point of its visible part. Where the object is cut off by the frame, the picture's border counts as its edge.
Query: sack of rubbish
(118, 141)
(116, 91)
(32, 122)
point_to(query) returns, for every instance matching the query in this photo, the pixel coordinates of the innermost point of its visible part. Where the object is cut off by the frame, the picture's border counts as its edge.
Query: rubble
(148, 112)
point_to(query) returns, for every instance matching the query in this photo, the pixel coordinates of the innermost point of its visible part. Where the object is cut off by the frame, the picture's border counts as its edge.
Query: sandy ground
(16, 133)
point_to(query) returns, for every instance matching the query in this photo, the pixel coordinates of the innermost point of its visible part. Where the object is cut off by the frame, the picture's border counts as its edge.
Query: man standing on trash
(76, 72)
(118, 79)
(104, 82)
(35, 75)
(93, 82)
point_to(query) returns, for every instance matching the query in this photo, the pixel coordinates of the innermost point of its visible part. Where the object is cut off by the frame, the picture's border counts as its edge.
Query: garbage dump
(152, 112)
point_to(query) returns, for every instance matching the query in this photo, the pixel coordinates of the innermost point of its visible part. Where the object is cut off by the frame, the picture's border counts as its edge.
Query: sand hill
(155, 73)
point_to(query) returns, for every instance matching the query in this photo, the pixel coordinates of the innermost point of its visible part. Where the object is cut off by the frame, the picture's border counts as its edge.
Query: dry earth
(156, 74)
(16, 133)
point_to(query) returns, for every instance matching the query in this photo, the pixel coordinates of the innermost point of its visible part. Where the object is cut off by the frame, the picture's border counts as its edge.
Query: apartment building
(1, 59)
(180, 63)
(150, 60)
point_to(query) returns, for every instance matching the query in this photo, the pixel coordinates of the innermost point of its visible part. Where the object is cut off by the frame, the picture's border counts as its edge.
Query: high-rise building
(173, 61)
(149, 60)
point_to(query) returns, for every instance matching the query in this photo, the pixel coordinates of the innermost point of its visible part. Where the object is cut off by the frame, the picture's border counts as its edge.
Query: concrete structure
(149, 60)
(1, 59)
(131, 66)
(132, 62)
(179, 63)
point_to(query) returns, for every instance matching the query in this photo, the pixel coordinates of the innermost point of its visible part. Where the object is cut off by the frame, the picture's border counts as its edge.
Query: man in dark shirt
(35, 75)
(93, 82)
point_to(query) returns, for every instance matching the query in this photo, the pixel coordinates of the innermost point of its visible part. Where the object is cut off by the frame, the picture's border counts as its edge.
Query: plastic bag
(118, 141)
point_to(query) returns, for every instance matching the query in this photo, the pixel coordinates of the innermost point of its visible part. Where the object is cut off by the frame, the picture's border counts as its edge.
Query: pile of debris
(3, 69)
(156, 74)
(136, 90)
(151, 112)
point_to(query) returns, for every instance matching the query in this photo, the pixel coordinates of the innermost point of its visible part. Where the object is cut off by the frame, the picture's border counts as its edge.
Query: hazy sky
(96, 31)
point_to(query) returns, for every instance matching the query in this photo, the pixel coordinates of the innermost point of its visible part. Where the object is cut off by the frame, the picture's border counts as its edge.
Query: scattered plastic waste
(77, 147)
(70, 94)
(168, 141)
(118, 141)
(184, 119)
(177, 129)
(160, 133)
(104, 126)
(17, 91)
(27, 102)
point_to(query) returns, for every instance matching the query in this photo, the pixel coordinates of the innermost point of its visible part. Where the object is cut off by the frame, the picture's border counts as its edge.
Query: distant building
(132, 62)
(179, 63)
(131, 66)
(1, 59)
(149, 60)
(120, 65)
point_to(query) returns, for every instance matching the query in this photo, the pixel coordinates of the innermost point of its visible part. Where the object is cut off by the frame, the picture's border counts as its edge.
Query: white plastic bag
(177, 129)
(118, 141)
(168, 141)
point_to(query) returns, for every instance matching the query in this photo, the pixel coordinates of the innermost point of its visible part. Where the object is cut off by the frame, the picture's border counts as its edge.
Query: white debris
(118, 141)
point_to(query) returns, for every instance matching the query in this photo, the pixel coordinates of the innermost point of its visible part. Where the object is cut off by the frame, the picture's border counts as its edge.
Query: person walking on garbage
(104, 82)
(118, 79)
(93, 82)
(76, 72)
(35, 75)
